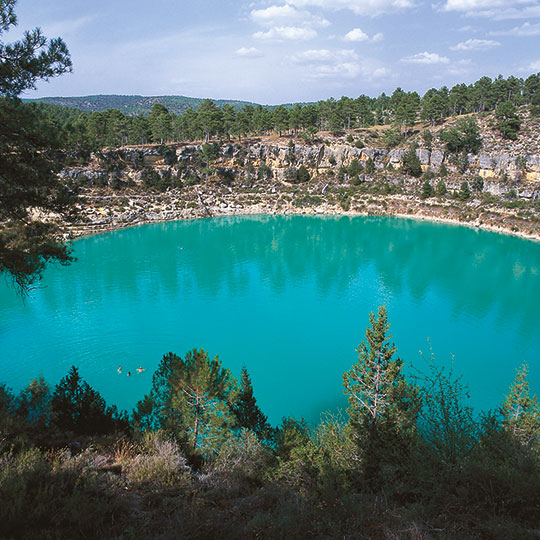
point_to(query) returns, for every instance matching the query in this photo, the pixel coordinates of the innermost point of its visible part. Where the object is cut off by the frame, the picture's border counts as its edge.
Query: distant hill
(133, 105)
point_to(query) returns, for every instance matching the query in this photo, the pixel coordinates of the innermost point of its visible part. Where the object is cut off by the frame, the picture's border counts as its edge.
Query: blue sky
(283, 50)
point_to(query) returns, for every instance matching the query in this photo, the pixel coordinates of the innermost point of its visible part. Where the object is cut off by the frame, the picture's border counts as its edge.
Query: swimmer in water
(140, 369)
(119, 370)
(129, 373)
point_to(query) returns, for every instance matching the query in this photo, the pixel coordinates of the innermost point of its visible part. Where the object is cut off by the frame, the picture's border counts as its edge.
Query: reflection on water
(282, 295)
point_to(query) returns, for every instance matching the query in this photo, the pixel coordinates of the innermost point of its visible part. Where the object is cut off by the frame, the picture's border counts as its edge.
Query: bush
(440, 190)
(242, 463)
(160, 463)
(78, 408)
(464, 193)
(56, 498)
(411, 163)
(303, 174)
(464, 137)
(427, 190)
(355, 168)
(370, 166)
(478, 183)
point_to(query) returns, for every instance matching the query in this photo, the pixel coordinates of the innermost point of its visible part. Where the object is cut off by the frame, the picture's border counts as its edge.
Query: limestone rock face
(501, 171)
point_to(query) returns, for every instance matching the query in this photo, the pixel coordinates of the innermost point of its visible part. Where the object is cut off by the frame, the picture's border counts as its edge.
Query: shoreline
(413, 211)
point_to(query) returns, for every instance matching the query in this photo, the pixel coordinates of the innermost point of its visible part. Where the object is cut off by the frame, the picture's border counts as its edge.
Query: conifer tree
(77, 407)
(521, 411)
(191, 398)
(246, 410)
(383, 406)
(28, 169)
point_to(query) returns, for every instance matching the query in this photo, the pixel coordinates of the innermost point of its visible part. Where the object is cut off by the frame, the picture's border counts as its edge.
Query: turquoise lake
(289, 297)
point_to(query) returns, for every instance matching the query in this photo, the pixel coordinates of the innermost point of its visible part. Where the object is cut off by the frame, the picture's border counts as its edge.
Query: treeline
(409, 456)
(113, 128)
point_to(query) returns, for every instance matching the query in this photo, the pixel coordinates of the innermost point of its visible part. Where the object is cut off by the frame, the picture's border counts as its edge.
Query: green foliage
(355, 168)
(56, 497)
(478, 183)
(370, 166)
(247, 412)
(464, 137)
(383, 406)
(289, 435)
(464, 192)
(392, 137)
(27, 167)
(447, 425)
(427, 190)
(411, 163)
(241, 464)
(297, 176)
(303, 174)
(521, 411)
(507, 121)
(427, 137)
(535, 104)
(191, 399)
(440, 190)
(76, 407)
(264, 172)
(160, 463)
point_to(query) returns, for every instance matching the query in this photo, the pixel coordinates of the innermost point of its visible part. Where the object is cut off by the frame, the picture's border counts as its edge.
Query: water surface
(288, 297)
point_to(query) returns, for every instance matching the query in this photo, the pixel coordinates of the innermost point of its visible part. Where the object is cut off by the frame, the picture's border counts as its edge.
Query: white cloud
(67, 27)
(426, 58)
(379, 36)
(287, 32)
(533, 67)
(285, 16)
(249, 52)
(476, 45)
(460, 68)
(359, 7)
(356, 35)
(525, 30)
(324, 55)
(338, 64)
(496, 9)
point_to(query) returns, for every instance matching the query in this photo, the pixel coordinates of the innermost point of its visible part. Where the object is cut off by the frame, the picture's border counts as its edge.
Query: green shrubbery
(203, 460)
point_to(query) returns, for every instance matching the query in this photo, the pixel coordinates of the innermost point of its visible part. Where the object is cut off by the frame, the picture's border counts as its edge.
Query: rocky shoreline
(135, 186)
(102, 213)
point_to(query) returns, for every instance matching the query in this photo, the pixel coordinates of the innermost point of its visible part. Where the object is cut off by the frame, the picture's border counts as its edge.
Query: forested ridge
(401, 109)
(197, 458)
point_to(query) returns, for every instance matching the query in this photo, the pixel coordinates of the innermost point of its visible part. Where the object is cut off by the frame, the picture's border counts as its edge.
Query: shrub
(54, 498)
(411, 163)
(241, 463)
(160, 462)
(303, 174)
(464, 193)
(440, 190)
(370, 166)
(427, 190)
(78, 408)
(478, 183)
(464, 137)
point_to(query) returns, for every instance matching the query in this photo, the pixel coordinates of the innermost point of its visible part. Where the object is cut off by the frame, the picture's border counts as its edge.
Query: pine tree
(191, 398)
(508, 122)
(521, 412)
(28, 169)
(246, 410)
(383, 406)
(77, 407)
(427, 189)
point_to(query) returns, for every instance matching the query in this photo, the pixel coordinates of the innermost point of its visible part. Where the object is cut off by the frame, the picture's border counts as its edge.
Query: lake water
(288, 297)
